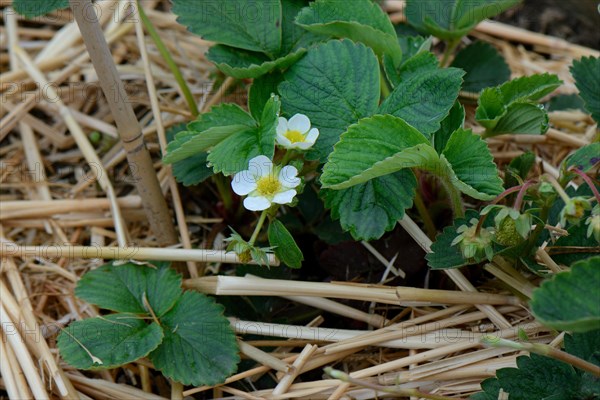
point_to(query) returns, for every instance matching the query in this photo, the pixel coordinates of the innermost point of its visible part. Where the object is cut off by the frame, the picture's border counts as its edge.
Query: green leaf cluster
(559, 302)
(452, 19)
(227, 137)
(539, 377)
(587, 79)
(511, 107)
(184, 334)
(484, 67)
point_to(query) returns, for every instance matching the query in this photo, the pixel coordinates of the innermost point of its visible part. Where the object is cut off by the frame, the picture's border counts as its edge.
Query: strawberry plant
(342, 105)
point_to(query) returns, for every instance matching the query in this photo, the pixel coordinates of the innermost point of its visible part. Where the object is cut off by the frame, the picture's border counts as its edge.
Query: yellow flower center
(268, 185)
(294, 136)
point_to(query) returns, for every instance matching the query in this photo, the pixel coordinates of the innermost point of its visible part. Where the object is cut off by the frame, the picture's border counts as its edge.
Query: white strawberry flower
(265, 184)
(296, 133)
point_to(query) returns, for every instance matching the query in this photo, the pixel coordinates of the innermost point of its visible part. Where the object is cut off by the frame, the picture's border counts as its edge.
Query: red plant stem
(521, 195)
(496, 201)
(587, 180)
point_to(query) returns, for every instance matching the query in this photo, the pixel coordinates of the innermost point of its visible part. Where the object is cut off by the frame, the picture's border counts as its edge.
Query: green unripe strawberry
(506, 233)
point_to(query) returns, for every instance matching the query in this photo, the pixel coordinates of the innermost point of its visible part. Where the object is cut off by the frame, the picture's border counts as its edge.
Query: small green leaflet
(260, 92)
(242, 64)
(416, 58)
(471, 166)
(335, 85)
(249, 25)
(583, 159)
(156, 319)
(424, 99)
(510, 108)
(293, 36)
(199, 347)
(558, 302)
(384, 144)
(373, 147)
(233, 154)
(207, 131)
(369, 209)
(35, 8)
(284, 245)
(444, 255)
(364, 21)
(126, 288)
(108, 341)
(453, 121)
(484, 65)
(452, 19)
(192, 170)
(587, 79)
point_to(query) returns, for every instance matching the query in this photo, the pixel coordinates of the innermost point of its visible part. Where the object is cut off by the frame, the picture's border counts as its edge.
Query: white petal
(312, 136)
(288, 177)
(300, 123)
(283, 141)
(243, 183)
(303, 145)
(256, 203)
(260, 166)
(282, 126)
(284, 197)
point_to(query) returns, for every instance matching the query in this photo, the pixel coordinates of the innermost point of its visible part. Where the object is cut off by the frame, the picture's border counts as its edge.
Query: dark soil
(577, 21)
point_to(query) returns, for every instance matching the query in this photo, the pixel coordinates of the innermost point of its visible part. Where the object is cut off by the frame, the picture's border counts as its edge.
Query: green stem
(164, 52)
(455, 198)
(561, 192)
(385, 90)
(224, 190)
(425, 217)
(452, 44)
(258, 227)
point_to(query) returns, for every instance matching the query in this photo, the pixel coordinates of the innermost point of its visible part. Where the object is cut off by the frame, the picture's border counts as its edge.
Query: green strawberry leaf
(233, 154)
(370, 209)
(207, 131)
(558, 302)
(522, 118)
(424, 99)
(471, 165)
(199, 345)
(587, 79)
(109, 341)
(242, 64)
(129, 287)
(510, 108)
(539, 377)
(35, 8)
(444, 255)
(293, 36)
(260, 92)
(453, 121)
(452, 19)
(373, 147)
(335, 85)
(363, 22)
(193, 170)
(484, 66)
(384, 144)
(417, 58)
(250, 25)
(284, 245)
(584, 159)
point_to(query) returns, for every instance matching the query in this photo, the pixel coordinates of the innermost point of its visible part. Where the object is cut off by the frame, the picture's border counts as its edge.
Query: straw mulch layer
(52, 106)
